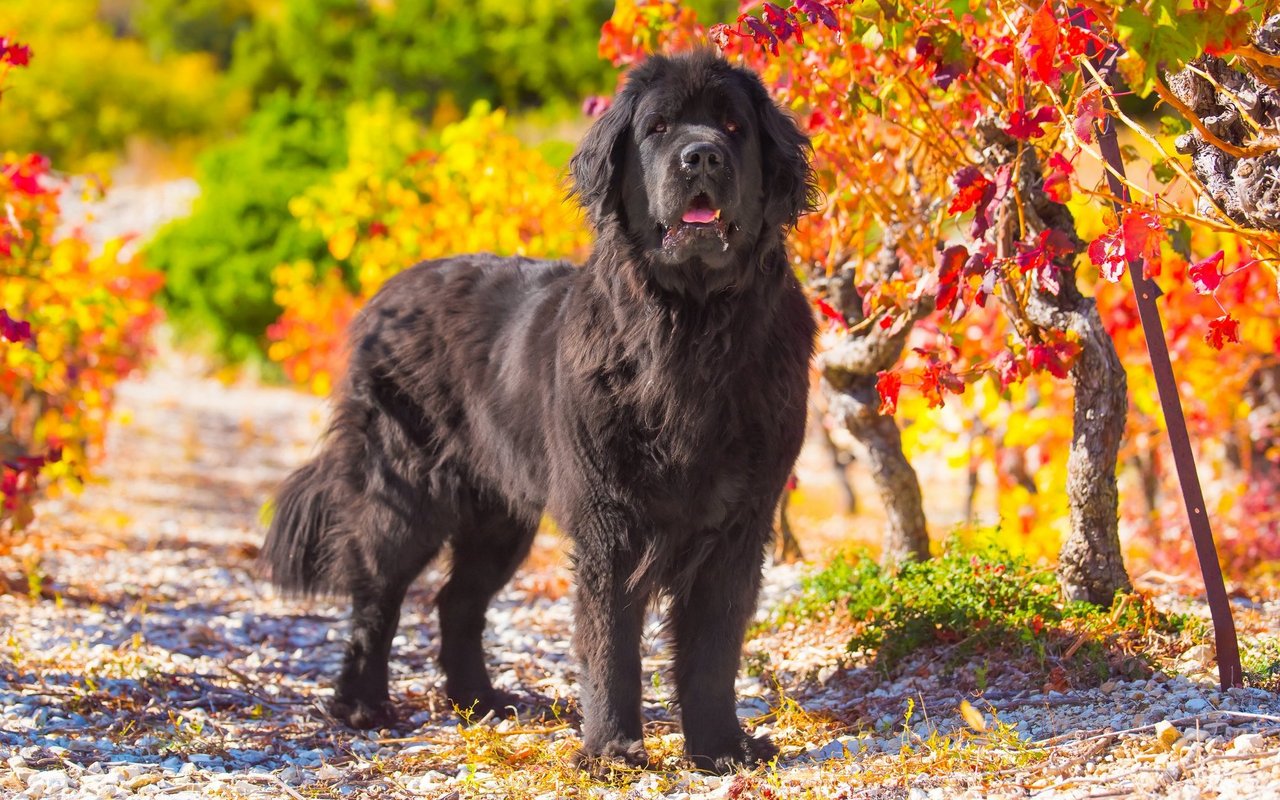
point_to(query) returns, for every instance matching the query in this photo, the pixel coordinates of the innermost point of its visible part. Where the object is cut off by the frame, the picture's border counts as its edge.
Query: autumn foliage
(73, 323)
(904, 100)
(405, 197)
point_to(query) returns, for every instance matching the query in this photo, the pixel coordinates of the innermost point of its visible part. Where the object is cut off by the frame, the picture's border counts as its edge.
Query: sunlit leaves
(971, 188)
(1163, 35)
(1136, 239)
(937, 378)
(14, 330)
(1089, 111)
(1108, 254)
(72, 325)
(1206, 274)
(472, 187)
(1041, 259)
(1057, 178)
(15, 53)
(888, 386)
(898, 108)
(1029, 124)
(1039, 46)
(1222, 329)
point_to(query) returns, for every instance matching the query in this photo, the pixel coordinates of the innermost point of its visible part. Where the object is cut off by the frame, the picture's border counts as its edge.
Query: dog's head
(694, 163)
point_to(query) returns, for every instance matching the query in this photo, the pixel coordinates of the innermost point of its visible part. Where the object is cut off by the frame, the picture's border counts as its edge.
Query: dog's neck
(628, 268)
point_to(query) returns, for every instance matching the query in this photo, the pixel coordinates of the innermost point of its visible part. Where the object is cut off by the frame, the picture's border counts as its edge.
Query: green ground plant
(971, 601)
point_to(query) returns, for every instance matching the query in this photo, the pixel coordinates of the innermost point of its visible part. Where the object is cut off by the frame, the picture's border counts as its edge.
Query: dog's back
(426, 354)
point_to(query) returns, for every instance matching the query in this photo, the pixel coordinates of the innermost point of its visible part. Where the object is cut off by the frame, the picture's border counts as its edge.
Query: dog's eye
(659, 126)
(731, 126)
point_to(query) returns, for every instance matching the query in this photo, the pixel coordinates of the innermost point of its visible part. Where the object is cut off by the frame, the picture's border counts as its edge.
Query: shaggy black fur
(651, 402)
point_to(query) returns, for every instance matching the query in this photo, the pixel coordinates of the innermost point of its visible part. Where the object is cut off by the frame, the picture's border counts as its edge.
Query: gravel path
(153, 662)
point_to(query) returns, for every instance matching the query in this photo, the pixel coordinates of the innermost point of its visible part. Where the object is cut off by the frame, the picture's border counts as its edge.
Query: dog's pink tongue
(700, 215)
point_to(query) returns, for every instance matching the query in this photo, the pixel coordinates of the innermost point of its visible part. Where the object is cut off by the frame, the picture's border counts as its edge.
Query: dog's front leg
(607, 627)
(709, 623)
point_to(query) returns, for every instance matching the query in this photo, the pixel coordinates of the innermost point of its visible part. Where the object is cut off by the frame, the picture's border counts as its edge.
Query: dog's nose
(702, 158)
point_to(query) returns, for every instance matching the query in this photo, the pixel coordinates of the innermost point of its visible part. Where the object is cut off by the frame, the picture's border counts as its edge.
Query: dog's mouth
(700, 218)
(701, 212)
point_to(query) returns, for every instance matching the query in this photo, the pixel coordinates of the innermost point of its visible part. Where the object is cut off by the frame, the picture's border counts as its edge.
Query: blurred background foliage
(252, 97)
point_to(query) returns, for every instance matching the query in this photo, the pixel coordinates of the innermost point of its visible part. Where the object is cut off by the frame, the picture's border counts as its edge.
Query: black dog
(651, 402)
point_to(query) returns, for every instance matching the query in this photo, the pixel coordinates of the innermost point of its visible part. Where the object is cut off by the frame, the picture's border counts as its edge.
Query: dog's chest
(695, 457)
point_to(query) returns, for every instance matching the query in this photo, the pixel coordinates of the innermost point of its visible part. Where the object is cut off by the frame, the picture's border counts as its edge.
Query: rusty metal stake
(1145, 292)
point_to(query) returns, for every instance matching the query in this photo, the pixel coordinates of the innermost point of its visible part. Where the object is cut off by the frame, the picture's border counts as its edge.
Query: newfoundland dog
(651, 402)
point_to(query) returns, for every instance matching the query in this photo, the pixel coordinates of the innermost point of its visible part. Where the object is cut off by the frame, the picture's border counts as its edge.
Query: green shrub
(218, 261)
(973, 599)
(512, 54)
(192, 26)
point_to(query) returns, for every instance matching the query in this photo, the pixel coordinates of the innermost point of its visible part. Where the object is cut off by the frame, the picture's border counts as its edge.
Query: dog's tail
(301, 550)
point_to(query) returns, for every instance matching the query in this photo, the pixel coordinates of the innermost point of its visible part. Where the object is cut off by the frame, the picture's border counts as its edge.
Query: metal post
(1145, 292)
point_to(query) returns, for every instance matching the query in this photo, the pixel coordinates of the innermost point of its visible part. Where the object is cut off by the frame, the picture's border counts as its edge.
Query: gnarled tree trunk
(1244, 188)
(849, 384)
(1090, 565)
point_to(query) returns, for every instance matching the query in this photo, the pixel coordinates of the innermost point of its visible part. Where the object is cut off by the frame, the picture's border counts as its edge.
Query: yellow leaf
(973, 717)
(340, 243)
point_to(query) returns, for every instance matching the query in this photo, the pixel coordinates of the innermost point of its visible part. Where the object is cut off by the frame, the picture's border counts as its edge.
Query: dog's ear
(596, 167)
(791, 189)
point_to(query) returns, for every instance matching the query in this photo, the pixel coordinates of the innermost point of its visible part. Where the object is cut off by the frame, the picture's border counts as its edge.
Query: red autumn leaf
(830, 313)
(937, 379)
(992, 198)
(1001, 51)
(816, 11)
(1042, 258)
(888, 385)
(970, 184)
(1009, 369)
(780, 21)
(1078, 39)
(1107, 254)
(760, 33)
(949, 270)
(1143, 233)
(719, 35)
(1088, 111)
(1048, 357)
(1057, 183)
(1040, 45)
(1206, 275)
(1023, 125)
(14, 330)
(1222, 330)
(16, 54)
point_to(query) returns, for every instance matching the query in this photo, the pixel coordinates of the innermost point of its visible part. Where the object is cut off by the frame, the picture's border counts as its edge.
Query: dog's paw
(362, 714)
(745, 751)
(614, 756)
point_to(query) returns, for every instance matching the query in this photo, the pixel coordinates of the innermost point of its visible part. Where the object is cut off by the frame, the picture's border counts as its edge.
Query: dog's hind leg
(487, 549)
(401, 509)
(382, 563)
